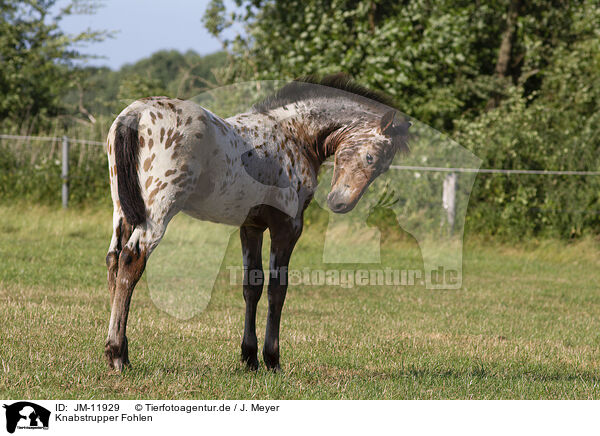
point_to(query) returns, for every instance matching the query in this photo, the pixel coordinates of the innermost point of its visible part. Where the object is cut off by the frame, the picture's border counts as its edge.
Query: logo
(26, 415)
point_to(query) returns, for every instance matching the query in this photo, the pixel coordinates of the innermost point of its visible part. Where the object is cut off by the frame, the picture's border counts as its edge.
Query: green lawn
(525, 325)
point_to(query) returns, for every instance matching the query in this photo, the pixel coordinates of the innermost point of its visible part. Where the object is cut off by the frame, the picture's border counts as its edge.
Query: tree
(556, 127)
(37, 56)
(105, 92)
(180, 74)
(441, 60)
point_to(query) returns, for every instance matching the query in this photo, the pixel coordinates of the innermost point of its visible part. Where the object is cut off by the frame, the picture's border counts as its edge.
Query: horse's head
(362, 154)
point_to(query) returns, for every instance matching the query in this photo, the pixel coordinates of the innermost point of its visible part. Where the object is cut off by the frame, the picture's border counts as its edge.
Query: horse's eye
(369, 159)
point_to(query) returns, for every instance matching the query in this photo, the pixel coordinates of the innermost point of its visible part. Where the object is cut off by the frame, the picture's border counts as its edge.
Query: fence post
(449, 201)
(65, 172)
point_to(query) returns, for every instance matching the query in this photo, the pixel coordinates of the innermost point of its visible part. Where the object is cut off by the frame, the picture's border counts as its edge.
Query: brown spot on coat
(152, 195)
(148, 162)
(179, 179)
(176, 137)
(148, 182)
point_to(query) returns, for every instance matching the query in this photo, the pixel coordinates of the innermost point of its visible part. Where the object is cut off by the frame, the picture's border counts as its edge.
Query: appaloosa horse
(167, 155)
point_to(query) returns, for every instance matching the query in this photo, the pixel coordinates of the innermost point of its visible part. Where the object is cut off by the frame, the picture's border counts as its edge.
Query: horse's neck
(304, 124)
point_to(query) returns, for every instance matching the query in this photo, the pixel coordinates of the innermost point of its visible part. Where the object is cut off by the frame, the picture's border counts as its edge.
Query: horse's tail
(127, 156)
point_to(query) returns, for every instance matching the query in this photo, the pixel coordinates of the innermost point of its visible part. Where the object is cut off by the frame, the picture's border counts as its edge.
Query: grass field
(525, 325)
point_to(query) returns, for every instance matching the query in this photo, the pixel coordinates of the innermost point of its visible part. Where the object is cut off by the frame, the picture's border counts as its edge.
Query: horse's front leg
(251, 238)
(284, 236)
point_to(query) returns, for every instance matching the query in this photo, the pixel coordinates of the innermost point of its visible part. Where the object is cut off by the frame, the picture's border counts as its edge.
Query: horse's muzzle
(340, 203)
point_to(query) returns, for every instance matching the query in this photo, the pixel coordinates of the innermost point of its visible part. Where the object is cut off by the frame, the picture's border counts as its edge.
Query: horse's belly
(216, 213)
(227, 206)
(230, 201)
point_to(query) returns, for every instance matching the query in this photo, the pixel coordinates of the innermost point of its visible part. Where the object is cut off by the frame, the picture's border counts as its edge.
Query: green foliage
(555, 128)
(36, 58)
(31, 171)
(214, 17)
(180, 74)
(167, 72)
(41, 182)
(135, 85)
(520, 136)
(436, 58)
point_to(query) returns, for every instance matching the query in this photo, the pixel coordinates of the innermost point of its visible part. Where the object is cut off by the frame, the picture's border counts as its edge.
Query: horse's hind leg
(130, 266)
(121, 234)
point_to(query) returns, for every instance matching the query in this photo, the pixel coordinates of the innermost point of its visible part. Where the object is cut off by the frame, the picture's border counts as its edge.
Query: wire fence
(50, 138)
(490, 170)
(58, 152)
(496, 171)
(449, 183)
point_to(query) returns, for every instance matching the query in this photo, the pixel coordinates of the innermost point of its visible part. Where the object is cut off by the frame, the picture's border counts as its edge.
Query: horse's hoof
(249, 357)
(251, 362)
(119, 364)
(117, 356)
(271, 362)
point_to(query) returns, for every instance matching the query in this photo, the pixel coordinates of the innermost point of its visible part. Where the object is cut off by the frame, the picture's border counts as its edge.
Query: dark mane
(300, 90)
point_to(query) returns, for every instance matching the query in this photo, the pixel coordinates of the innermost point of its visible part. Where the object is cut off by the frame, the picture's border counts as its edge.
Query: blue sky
(144, 26)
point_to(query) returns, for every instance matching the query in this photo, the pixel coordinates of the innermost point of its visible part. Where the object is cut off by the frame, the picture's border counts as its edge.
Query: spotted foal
(256, 170)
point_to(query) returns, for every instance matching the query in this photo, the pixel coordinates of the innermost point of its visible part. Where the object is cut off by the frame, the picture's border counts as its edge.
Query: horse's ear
(385, 125)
